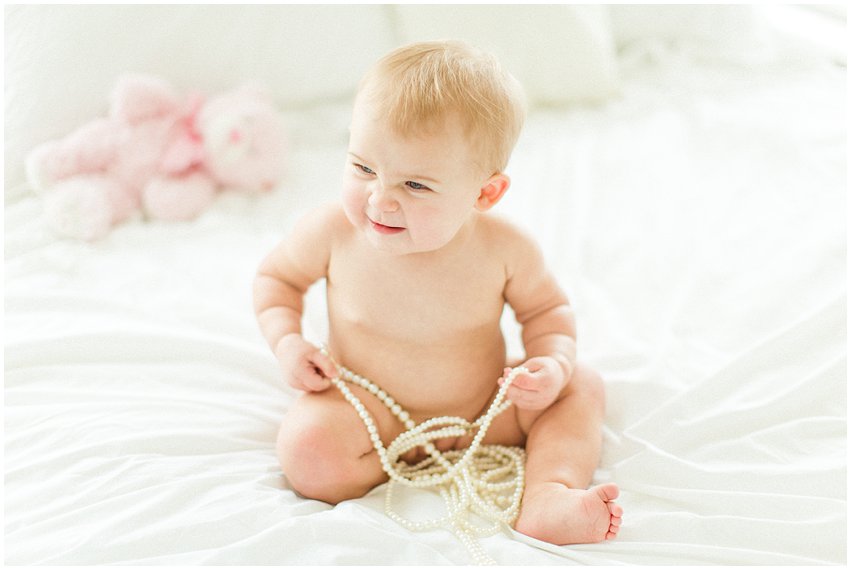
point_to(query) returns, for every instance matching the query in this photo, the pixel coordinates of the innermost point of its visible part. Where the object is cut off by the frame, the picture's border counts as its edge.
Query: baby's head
(422, 86)
(432, 129)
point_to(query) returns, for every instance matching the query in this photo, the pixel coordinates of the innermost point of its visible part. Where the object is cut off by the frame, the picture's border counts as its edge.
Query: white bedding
(698, 224)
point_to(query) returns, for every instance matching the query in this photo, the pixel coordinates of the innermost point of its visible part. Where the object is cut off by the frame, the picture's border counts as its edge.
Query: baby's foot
(555, 513)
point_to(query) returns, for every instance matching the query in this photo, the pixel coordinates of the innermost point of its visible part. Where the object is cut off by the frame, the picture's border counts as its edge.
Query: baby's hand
(538, 388)
(303, 366)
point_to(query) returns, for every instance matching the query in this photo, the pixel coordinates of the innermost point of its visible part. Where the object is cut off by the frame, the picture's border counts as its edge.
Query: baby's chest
(449, 301)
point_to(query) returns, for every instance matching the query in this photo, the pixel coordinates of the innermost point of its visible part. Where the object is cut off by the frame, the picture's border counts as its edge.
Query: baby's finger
(311, 378)
(523, 399)
(324, 365)
(514, 394)
(315, 382)
(525, 381)
(527, 399)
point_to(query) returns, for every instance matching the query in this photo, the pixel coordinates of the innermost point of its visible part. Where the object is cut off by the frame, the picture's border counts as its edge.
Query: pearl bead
(483, 480)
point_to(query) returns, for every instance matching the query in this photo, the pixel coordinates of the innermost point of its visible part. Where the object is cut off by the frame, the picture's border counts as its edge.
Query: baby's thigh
(326, 420)
(324, 448)
(505, 430)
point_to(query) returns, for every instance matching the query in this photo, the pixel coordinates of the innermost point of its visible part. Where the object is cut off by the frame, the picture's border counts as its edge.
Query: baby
(417, 273)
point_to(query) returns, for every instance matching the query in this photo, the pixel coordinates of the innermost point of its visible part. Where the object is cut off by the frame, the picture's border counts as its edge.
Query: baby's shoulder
(327, 222)
(517, 249)
(506, 235)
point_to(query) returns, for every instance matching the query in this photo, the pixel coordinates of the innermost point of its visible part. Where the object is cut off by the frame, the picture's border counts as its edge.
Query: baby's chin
(400, 243)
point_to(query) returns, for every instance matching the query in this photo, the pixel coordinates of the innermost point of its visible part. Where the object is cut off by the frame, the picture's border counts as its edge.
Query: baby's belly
(456, 375)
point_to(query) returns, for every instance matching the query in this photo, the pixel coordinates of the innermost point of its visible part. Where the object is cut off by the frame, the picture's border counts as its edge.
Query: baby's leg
(324, 448)
(563, 449)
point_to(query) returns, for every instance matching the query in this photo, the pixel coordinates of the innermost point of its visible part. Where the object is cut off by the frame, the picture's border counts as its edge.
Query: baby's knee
(317, 462)
(587, 383)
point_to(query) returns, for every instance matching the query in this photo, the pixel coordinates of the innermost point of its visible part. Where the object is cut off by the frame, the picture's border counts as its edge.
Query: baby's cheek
(433, 232)
(353, 203)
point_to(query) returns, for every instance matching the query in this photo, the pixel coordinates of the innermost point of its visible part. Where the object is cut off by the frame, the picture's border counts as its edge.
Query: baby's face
(407, 194)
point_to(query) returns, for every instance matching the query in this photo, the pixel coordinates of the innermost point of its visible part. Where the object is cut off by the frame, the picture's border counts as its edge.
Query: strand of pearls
(483, 480)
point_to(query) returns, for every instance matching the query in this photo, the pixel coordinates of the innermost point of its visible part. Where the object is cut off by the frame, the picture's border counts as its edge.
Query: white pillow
(560, 53)
(728, 32)
(62, 60)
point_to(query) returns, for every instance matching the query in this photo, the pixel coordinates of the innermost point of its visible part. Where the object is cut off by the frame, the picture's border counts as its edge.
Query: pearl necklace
(485, 480)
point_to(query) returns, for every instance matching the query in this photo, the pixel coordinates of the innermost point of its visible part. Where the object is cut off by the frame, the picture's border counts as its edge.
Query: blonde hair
(422, 85)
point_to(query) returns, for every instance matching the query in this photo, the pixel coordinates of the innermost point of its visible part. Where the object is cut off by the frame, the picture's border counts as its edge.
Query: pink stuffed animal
(243, 140)
(157, 153)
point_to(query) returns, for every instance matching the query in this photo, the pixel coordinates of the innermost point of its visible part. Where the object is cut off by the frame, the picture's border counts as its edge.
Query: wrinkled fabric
(698, 226)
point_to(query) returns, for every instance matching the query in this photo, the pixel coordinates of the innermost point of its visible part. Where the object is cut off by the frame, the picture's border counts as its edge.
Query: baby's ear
(492, 192)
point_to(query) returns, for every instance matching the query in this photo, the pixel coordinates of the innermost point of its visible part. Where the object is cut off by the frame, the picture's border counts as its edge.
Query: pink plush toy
(157, 153)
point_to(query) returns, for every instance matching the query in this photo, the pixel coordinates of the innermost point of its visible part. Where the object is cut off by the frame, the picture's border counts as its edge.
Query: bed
(689, 194)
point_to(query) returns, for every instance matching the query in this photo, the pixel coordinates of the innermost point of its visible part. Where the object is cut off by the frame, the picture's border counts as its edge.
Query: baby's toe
(614, 528)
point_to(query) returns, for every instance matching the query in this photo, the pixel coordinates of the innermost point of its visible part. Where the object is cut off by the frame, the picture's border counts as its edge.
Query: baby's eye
(364, 169)
(416, 186)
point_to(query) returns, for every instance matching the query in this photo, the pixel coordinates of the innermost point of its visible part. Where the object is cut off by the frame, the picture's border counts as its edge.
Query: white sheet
(699, 226)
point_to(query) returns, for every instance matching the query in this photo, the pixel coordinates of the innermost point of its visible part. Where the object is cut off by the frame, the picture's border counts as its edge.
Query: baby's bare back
(426, 328)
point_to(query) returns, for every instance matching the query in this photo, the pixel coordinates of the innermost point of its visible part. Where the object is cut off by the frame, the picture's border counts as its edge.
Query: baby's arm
(279, 288)
(548, 328)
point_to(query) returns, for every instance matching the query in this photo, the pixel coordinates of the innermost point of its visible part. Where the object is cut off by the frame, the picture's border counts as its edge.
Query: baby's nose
(382, 200)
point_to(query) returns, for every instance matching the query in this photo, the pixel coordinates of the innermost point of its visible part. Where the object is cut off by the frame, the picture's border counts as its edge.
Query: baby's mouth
(385, 230)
